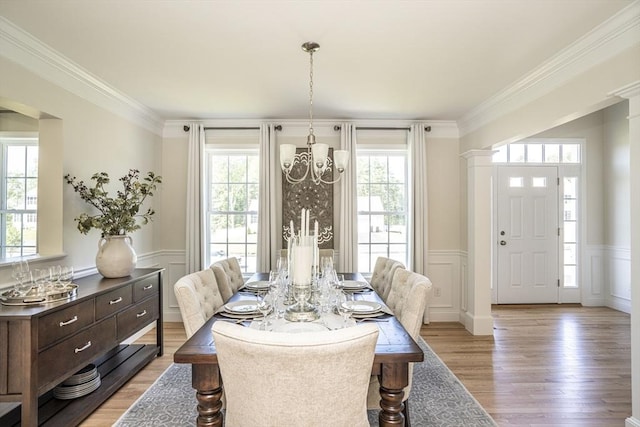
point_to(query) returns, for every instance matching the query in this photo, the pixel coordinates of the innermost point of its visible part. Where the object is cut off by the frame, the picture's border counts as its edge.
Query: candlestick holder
(302, 250)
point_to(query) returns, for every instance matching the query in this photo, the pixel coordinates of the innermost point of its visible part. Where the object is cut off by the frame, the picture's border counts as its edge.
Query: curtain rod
(186, 128)
(426, 128)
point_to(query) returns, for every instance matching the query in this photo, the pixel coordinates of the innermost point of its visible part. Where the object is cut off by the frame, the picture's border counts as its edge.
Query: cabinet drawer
(65, 322)
(137, 317)
(113, 301)
(145, 288)
(64, 359)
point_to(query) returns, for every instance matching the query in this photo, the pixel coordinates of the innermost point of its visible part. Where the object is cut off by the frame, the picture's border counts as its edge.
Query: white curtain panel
(268, 236)
(194, 253)
(348, 213)
(419, 227)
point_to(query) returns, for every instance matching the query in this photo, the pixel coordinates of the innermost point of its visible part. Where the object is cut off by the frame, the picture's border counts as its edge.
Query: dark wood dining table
(394, 351)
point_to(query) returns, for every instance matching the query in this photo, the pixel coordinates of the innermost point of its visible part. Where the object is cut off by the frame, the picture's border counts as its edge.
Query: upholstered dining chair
(198, 298)
(229, 276)
(408, 298)
(383, 275)
(271, 379)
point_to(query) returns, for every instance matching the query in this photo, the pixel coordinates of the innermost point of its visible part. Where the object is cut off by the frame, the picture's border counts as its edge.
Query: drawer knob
(83, 348)
(115, 301)
(68, 322)
(146, 288)
(144, 313)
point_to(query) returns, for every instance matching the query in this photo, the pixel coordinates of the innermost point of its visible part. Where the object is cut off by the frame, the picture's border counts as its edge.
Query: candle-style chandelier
(316, 159)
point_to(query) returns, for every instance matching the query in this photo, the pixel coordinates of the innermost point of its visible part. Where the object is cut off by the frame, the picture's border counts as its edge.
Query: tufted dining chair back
(383, 275)
(229, 276)
(408, 298)
(271, 379)
(198, 298)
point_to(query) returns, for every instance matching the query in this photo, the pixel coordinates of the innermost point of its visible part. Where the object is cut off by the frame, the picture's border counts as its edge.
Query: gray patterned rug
(437, 398)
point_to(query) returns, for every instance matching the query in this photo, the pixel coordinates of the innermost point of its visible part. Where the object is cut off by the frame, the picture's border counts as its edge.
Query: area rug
(437, 398)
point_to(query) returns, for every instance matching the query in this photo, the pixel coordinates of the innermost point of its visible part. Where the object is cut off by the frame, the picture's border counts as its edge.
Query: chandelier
(315, 161)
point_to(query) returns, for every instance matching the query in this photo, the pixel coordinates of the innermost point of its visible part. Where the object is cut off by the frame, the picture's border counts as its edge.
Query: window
(232, 205)
(570, 225)
(382, 206)
(19, 196)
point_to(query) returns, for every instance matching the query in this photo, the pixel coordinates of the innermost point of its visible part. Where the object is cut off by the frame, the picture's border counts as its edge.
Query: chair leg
(405, 412)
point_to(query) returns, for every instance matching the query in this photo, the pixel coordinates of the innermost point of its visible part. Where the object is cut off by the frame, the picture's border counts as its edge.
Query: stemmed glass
(264, 306)
(20, 271)
(344, 308)
(40, 278)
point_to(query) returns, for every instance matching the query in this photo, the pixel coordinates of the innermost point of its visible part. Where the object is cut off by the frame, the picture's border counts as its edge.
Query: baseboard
(477, 325)
(632, 422)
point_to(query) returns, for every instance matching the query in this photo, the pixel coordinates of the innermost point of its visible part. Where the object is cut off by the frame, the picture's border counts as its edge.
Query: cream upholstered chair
(271, 379)
(229, 276)
(198, 298)
(408, 298)
(383, 275)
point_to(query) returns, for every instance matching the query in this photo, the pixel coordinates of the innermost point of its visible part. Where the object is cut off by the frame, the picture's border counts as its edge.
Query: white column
(632, 92)
(476, 314)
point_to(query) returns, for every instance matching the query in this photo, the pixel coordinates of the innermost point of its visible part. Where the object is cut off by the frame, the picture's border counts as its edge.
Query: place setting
(240, 311)
(355, 286)
(366, 310)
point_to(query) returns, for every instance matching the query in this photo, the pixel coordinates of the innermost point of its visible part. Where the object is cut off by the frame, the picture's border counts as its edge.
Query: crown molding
(610, 38)
(22, 48)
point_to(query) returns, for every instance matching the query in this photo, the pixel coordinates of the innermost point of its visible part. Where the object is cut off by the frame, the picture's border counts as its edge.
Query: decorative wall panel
(317, 198)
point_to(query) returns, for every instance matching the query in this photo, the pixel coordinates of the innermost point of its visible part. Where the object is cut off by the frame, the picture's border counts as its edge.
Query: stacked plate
(241, 310)
(258, 286)
(79, 384)
(364, 309)
(355, 286)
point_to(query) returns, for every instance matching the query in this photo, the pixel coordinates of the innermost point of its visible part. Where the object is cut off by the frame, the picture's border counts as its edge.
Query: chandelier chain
(311, 92)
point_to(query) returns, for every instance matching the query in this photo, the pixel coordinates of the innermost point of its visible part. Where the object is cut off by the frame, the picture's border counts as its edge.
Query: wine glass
(345, 308)
(40, 278)
(264, 306)
(54, 276)
(19, 272)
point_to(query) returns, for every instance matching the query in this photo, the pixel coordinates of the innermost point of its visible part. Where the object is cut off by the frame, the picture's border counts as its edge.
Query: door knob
(502, 242)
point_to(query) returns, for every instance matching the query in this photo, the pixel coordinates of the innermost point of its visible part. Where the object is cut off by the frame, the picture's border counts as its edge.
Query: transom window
(538, 152)
(19, 196)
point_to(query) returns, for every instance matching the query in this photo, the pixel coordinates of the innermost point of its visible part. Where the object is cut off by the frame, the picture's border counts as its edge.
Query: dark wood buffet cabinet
(42, 345)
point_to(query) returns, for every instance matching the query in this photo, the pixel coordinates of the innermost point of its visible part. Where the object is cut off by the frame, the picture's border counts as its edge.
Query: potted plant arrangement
(116, 217)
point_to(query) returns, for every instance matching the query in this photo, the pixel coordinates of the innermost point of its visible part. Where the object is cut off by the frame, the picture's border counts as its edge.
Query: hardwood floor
(546, 365)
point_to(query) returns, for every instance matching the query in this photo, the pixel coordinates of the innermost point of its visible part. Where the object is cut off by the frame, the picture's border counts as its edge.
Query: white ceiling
(190, 59)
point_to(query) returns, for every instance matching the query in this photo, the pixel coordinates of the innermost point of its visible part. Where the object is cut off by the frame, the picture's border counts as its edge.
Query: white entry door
(527, 235)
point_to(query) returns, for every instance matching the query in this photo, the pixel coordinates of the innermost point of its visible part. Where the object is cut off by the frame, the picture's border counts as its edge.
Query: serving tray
(55, 294)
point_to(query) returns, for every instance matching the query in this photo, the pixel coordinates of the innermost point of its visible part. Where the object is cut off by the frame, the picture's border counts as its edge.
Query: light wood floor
(546, 365)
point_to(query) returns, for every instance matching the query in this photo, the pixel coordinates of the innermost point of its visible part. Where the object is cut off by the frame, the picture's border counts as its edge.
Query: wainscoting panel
(593, 276)
(618, 268)
(445, 275)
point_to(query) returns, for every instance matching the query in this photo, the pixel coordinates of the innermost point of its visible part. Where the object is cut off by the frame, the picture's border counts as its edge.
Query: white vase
(116, 257)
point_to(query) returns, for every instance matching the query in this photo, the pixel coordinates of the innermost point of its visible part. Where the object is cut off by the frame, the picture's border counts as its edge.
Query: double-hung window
(382, 187)
(231, 194)
(19, 196)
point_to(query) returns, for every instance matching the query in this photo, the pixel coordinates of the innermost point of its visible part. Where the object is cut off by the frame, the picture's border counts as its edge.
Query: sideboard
(42, 345)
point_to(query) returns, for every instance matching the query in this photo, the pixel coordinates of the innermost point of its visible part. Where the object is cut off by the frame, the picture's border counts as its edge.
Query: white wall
(93, 140)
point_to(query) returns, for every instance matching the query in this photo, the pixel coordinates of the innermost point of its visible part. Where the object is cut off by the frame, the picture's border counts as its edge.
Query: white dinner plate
(354, 285)
(241, 307)
(362, 307)
(298, 327)
(259, 285)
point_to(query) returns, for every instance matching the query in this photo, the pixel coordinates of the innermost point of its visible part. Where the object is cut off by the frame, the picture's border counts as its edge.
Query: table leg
(208, 384)
(393, 379)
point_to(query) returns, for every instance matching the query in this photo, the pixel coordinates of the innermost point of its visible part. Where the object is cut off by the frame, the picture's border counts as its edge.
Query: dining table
(394, 351)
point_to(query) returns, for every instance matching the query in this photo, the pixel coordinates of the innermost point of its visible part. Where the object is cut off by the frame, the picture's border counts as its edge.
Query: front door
(527, 235)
